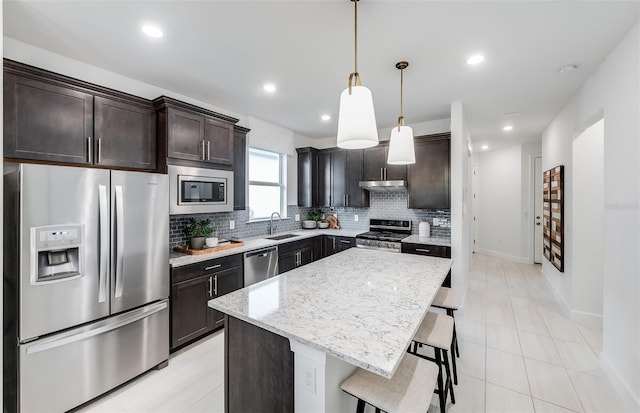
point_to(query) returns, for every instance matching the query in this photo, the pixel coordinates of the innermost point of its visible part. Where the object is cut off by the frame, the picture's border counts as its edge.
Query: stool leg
(377, 410)
(360, 408)
(446, 367)
(453, 362)
(442, 394)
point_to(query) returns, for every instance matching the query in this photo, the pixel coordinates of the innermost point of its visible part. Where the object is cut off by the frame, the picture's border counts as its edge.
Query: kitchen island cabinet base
(266, 372)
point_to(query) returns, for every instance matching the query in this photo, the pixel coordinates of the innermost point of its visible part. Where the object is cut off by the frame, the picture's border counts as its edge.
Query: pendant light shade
(356, 119)
(401, 150)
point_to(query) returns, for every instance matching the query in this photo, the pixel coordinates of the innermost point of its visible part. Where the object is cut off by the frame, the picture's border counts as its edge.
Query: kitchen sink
(282, 236)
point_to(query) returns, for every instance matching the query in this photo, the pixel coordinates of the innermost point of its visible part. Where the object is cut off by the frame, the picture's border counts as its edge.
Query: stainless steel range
(384, 234)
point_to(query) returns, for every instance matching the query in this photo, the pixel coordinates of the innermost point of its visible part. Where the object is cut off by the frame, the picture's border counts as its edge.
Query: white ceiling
(221, 52)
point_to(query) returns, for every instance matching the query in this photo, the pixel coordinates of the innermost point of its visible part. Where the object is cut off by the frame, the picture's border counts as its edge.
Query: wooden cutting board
(186, 250)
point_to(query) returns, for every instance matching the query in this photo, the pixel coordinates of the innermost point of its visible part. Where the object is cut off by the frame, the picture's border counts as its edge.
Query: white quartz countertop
(177, 259)
(415, 239)
(362, 306)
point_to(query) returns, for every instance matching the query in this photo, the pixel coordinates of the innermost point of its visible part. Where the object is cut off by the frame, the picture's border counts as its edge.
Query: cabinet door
(224, 282)
(186, 135)
(428, 179)
(356, 196)
(190, 315)
(287, 261)
(374, 162)
(324, 178)
(45, 121)
(306, 256)
(239, 170)
(329, 246)
(218, 137)
(394, 172)
(338, 178)
(307, 177)
(125, 134)
(344, 243)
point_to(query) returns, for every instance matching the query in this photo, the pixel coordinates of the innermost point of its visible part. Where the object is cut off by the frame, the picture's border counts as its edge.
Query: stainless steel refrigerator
(86, 282)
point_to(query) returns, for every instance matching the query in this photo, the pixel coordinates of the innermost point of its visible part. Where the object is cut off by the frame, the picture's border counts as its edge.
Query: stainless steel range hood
(381, 186)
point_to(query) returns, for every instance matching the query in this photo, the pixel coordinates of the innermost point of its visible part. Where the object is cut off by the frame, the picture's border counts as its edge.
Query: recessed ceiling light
(568, 68)
(507, 128)
(475, 59)
(269, 87)
(485, 147)
(152, 31)
(325, 117)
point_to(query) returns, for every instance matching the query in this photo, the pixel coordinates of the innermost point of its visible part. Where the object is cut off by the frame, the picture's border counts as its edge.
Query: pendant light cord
(355, 25)
(401, 89)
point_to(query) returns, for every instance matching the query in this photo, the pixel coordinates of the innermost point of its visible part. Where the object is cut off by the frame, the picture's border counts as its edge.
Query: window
(267, 190)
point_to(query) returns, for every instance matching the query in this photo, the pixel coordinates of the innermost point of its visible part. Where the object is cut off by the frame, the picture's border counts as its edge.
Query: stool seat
(436, 330)
(447, 298)
(409, 390)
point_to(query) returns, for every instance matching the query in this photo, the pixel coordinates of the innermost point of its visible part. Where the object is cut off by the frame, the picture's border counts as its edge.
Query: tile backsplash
(383, 205)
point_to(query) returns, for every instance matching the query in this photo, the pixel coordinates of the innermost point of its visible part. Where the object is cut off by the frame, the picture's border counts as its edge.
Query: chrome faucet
(271, 228)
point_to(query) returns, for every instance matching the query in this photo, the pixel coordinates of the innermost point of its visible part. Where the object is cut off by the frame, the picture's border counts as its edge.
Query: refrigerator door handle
(104, 244)
(104, 327)
(119, 240)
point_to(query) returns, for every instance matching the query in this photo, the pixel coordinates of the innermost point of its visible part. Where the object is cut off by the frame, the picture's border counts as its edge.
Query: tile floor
(519, 353)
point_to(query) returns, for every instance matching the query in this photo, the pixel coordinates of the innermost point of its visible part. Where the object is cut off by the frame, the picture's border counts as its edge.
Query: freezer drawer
(63, 371)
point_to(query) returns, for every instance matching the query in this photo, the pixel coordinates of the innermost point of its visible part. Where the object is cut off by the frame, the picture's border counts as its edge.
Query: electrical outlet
(297, 217)
(309, 379)
(232, 224)
(356, 218)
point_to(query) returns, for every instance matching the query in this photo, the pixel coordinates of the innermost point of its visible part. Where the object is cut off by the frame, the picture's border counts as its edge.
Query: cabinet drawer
(425, 249)
(187, 272)
(295, 245)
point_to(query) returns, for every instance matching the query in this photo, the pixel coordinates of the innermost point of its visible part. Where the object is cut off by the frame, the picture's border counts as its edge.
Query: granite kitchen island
(291, 340)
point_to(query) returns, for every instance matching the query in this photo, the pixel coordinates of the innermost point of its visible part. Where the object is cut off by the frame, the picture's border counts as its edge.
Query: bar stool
(436, 331)
(409, 390)
(449, 299)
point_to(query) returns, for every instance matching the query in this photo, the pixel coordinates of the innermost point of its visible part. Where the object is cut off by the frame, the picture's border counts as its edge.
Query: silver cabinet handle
(99, 150)
(89, 149)
(385, 174)
(422, 250)
(213, 267)
(104, 243)
(334, 243)
(202, 147)
(381, 175)
(210, 286)
(215, 285)
(342, 241)
(208, 150)
(119, 240)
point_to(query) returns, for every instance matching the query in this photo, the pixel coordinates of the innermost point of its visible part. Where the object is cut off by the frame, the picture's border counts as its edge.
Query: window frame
(282, 178)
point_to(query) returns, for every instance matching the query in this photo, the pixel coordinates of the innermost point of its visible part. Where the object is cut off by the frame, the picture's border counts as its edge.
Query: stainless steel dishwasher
(260, 265)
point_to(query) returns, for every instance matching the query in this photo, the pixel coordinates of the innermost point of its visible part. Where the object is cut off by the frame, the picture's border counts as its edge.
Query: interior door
(140, 235)
(537, 200)
(60, 199)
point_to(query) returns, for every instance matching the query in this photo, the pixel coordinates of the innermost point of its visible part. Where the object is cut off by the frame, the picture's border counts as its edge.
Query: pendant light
(401, 150)
(356, 120)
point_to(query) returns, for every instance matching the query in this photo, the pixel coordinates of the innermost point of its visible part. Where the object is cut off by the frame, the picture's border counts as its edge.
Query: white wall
(504, 199)
(613, 90)
(461, 230)
(588, 220)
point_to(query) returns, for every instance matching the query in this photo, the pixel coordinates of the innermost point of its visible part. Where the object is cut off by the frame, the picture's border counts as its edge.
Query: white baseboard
(586, 318)
(566, 309)
(621, 387)
(521, 260)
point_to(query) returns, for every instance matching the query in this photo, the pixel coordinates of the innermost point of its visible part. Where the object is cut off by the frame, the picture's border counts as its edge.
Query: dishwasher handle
(260, 253)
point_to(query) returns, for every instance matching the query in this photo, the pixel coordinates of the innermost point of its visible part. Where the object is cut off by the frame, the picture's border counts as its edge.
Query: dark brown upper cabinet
(198, 136)
(376, 167)
(53, 118)
(339, 176)
(429, 180)
(239, 168)
(308, 189)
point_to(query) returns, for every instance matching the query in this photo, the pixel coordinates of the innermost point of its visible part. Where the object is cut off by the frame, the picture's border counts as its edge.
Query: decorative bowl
(308, 224)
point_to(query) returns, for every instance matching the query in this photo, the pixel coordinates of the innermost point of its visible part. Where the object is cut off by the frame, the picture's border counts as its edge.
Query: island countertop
(362, 306)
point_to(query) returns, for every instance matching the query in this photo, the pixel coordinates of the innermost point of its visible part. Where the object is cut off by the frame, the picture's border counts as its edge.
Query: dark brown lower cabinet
(192, 288)
(441, 251)
(296, 254)
(258, 369)
(334, 243)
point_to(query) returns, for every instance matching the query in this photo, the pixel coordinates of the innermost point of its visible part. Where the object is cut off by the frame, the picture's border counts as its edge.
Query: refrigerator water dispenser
(56, 253)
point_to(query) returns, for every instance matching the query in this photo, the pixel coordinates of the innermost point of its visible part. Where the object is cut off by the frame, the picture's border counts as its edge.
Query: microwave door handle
(119, 240)
(104, 243)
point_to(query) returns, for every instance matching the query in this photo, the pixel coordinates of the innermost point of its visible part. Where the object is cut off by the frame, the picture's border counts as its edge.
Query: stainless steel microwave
(199, 190)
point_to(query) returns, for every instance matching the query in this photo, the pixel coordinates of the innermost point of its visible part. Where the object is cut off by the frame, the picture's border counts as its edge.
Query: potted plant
(198, 230)
(314, 217)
